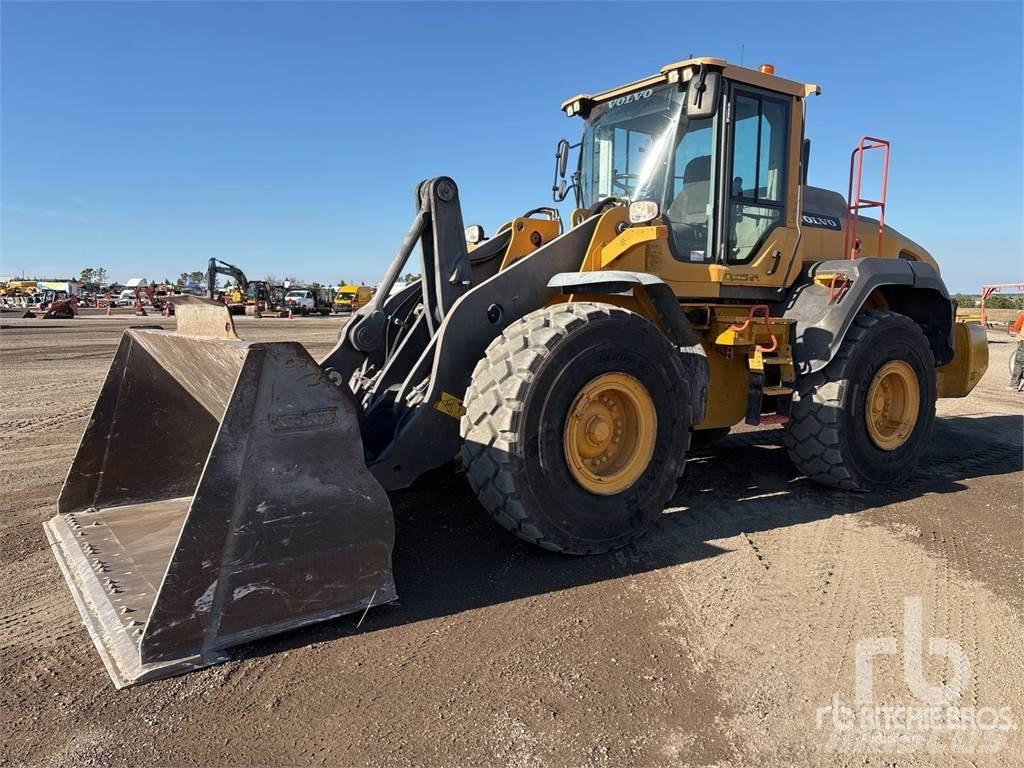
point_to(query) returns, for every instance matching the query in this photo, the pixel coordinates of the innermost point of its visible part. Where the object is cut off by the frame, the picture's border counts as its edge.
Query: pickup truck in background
(308, 301)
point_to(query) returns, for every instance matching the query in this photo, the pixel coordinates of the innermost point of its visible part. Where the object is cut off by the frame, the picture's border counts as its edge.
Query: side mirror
(562, 155)
(475, 234)
(702, 94)
(559, 188)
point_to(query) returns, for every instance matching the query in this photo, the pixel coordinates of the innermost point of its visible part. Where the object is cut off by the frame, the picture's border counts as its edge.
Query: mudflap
(219, 495)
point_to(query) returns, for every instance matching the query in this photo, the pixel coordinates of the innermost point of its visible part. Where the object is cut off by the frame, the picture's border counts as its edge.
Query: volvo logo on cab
(645, 94)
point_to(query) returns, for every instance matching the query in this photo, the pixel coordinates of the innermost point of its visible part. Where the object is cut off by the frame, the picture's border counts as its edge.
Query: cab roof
(684, 70)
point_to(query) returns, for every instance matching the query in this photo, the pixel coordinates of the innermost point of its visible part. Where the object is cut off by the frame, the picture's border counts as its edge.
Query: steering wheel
(617, 181)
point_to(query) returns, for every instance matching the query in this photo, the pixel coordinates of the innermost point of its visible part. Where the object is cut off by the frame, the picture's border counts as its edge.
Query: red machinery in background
(988, 290)
(157, 302)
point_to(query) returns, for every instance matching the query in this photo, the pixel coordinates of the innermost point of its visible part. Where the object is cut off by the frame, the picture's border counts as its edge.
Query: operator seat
(691, 204)
(688, 213)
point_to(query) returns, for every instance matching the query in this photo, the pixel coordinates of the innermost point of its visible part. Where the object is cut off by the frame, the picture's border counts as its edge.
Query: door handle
(776, 258)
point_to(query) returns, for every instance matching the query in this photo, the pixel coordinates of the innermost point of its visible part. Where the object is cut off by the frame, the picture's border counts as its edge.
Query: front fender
(664, 302)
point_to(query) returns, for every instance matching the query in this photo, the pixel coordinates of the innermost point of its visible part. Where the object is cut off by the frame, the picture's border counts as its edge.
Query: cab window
(760, 137)
(688, 214)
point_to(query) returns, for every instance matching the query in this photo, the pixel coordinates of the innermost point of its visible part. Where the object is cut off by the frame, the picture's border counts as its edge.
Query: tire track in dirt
(30, 631)
(77, 354)
(839, 580)
(65, 421)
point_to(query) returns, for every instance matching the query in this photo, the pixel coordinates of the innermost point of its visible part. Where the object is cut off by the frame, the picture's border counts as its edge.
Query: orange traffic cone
(109, 313)
(289, 313)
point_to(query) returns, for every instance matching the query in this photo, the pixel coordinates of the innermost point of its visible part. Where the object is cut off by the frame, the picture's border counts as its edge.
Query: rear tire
(517, 427)
(828, 435)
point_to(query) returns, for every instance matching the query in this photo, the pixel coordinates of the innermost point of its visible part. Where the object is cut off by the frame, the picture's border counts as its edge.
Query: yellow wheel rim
(610, 433)
(892, 405)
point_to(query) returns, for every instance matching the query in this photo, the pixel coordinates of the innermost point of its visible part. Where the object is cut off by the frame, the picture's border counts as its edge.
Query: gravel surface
(716, 640)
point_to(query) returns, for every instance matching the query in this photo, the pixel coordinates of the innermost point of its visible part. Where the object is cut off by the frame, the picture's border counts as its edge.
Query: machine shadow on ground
(450, 557)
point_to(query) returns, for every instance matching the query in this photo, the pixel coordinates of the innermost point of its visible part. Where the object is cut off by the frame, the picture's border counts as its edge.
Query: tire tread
(814, 430)
(507, 368)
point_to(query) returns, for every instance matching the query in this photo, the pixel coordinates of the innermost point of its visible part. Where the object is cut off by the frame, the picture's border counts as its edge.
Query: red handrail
(855, 203)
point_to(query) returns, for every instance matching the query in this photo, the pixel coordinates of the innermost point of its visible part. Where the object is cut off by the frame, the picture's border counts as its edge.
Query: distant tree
(196, 277)
(1000, 302)
(963, 301)
(87, 275)
(99, 275)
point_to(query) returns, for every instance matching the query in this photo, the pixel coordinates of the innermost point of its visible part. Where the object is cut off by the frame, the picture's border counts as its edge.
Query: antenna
(742, 47)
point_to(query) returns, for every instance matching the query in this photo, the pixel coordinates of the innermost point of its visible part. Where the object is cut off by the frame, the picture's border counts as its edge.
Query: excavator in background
(700, 282)
(264, 297)
(235, 299)
(161, 301)
(248, 296)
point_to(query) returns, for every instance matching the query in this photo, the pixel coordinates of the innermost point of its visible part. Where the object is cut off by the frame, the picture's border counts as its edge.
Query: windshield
(297, 294)
(626, 145)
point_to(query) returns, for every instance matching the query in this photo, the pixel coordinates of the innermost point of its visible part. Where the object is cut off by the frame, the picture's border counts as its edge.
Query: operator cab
(701, 138)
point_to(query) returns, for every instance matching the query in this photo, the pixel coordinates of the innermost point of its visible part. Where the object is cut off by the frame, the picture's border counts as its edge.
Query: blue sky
(288, 138)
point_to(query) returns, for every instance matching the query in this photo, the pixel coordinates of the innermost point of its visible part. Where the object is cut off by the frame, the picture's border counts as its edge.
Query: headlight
(643, 211)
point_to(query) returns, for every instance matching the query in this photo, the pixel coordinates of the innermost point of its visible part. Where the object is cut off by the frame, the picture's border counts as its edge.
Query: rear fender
(828, 296)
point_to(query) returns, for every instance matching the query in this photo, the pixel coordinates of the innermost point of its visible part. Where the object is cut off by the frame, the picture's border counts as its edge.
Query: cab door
(732, 207)
(757, 230)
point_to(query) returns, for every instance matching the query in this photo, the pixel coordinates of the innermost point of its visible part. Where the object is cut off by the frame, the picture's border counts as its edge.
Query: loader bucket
(219, 495)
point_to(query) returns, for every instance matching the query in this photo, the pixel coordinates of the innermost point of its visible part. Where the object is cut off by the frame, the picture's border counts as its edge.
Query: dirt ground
(722, 638)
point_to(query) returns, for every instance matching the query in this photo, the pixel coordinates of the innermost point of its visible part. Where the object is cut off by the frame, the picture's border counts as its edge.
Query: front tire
(576, 428)
(863, 422)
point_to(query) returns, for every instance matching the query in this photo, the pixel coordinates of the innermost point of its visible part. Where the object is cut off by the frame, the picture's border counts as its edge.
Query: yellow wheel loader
(700, 283)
